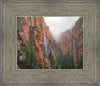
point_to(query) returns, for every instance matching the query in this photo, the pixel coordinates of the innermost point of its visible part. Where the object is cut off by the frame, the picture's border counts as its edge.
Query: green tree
(58, 66)
(51, 60)
(66, 62)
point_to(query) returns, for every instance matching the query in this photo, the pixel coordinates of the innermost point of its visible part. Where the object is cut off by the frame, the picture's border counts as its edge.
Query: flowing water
(45, 45)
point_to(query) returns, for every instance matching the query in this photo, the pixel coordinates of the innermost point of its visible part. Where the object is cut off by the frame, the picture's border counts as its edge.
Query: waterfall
(45, 45)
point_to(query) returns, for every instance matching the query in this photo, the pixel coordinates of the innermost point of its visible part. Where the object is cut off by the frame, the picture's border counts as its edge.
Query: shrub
(51, 59)
(32, 27)
(58, 66)
(38, 31)
(53, 66)
(35, 26)
(80, 66)
(65, 62)
(30, 61)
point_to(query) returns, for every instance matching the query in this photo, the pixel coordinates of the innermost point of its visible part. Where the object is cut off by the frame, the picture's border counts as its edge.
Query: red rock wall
(71, 41)
(33, 29)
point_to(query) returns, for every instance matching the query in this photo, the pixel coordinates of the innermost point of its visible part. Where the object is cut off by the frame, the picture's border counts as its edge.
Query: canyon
(33, 34)
(71, 41)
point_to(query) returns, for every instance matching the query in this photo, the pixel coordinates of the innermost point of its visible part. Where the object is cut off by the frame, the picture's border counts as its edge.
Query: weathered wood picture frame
(90, 72)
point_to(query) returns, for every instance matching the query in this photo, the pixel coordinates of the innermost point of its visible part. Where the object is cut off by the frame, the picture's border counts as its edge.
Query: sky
(57, 25)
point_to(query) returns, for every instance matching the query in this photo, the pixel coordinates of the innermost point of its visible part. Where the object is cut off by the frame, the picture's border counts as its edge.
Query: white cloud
(57, 25)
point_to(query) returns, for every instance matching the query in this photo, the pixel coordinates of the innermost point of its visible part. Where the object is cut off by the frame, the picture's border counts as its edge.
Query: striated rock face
(71, 41)
(31, 31)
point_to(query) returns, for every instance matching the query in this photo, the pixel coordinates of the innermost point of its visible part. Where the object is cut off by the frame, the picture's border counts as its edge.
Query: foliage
(35, 26)
(30, 61)
(65, 62)
(58, 66)
(53, 66)
(38, 31)
(80, 66)
(32, 27)
(51, 58)
(52, 62)
(38, 66)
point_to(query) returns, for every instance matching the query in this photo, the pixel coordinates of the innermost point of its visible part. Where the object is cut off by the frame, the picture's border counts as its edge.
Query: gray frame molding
(48, 84)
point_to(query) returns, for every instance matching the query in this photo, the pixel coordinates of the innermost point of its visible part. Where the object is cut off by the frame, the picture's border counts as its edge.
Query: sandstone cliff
(33, 31)
(71, 41)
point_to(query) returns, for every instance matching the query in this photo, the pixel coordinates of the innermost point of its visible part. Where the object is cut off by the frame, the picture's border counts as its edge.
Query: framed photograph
(50, 43)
